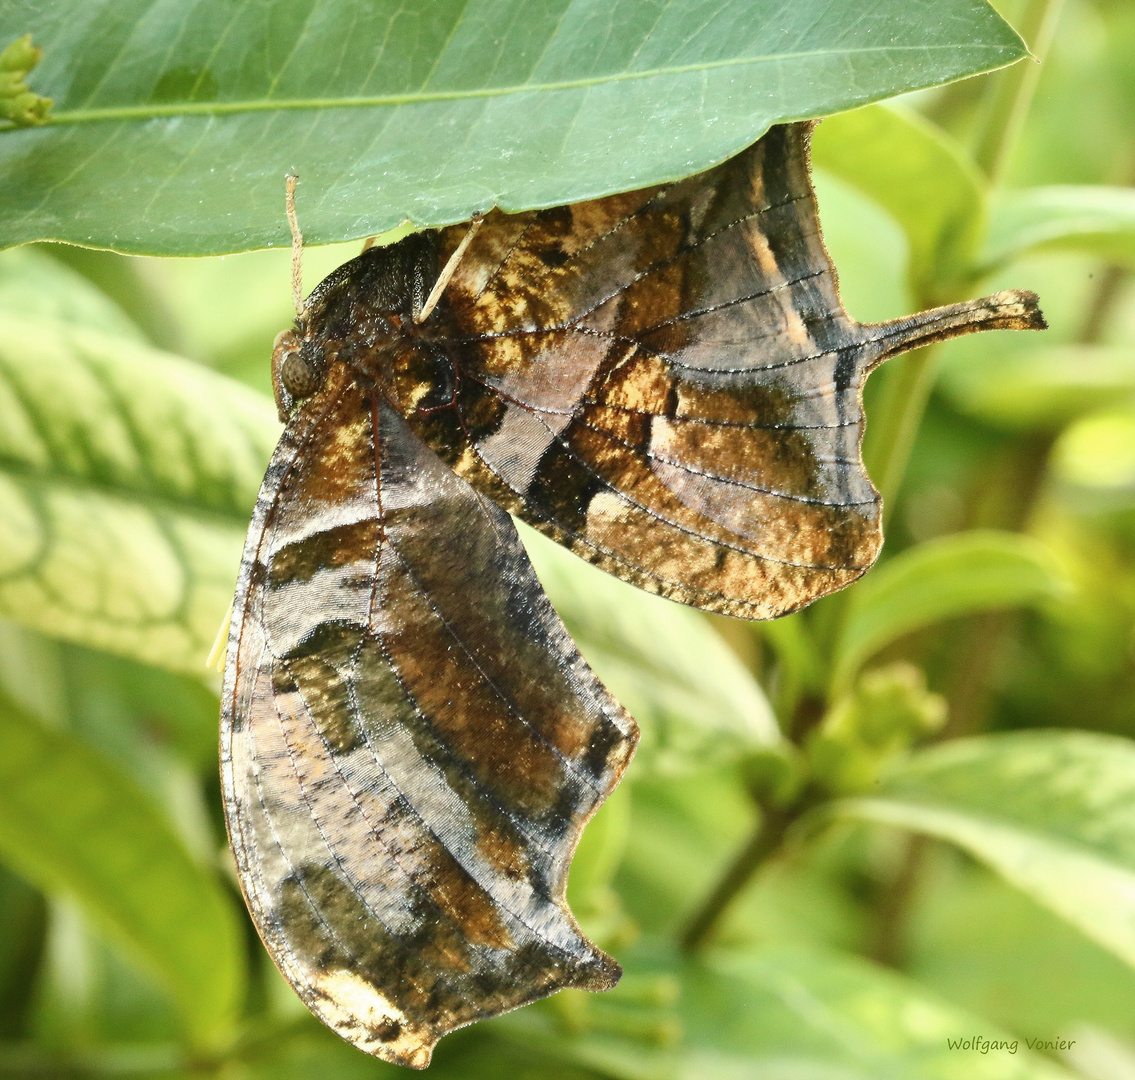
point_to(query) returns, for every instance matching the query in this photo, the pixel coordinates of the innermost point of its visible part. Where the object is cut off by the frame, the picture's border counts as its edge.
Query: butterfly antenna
(297, 243)
(449, 270)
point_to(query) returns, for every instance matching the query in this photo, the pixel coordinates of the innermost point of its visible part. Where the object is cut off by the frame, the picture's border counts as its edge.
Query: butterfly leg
(448, 270)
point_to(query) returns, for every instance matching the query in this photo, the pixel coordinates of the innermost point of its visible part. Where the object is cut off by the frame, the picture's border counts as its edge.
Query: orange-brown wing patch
(411, 744)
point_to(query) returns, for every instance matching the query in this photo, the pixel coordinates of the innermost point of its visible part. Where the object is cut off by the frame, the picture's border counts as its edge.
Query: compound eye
(297, 376)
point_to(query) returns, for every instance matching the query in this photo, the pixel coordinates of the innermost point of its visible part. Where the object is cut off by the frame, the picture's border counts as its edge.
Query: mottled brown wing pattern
(411, 743)
(664, 381)
(667, 383)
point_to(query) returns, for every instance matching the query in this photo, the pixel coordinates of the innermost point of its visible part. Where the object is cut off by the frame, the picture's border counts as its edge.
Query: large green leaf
(791, 1012)
(174, 125)
(955, 575)
(1099, 220)
(73, 825)
(1048, 810)
(695, 701)
(911, 168)
(126, 481)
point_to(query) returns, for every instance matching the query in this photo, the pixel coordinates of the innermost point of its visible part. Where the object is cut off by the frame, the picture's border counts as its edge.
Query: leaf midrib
(223, 108)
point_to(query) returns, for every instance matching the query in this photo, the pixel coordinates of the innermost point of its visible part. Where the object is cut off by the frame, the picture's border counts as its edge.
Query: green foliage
(1050, 811)
(784, 768)
(923, 179)
(18, 104)
(805, 1011)
(1043, 388)
(126, 479)
(941, 579)
(1099, 220)
(888, 710)
(455, 107)
(72, 824)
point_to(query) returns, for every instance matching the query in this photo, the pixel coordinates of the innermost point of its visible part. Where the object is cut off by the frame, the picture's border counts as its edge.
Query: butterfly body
(665, 382)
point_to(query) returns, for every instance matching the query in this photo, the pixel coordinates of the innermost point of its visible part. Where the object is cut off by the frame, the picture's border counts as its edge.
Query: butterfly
(663, 381)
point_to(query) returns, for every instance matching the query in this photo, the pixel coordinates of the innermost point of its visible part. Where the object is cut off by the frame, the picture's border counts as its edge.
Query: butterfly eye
(297, 376)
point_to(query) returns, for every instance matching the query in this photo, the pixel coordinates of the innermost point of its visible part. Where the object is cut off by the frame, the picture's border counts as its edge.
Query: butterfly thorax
(363, 316)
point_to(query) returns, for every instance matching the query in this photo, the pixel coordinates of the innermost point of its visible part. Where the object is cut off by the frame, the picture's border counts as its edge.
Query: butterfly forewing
(411, 743)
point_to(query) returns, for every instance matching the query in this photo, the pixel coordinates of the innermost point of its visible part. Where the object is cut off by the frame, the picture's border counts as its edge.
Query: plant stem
(1019, 484)
(899, 406)
(1102, 304)
(889, 944)
(1014, 89)
(765, 839)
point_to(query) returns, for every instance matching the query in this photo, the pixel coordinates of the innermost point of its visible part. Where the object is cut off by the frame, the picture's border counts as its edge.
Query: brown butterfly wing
(411, 744)
(667, 383)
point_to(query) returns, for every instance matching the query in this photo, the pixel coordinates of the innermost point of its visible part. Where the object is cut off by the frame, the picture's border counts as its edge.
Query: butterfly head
(297, 370)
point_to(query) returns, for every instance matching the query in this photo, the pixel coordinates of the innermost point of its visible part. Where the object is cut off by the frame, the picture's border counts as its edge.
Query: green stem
(899, 405)
(1014, 89)
(764, 841)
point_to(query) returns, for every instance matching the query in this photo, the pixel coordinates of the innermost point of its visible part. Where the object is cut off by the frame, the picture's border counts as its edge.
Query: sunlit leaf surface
(126, 477)
(1048, 810)
(174, 126)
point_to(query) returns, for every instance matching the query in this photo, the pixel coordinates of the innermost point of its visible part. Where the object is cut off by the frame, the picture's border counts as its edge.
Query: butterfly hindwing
(667, 383)
(411, 744)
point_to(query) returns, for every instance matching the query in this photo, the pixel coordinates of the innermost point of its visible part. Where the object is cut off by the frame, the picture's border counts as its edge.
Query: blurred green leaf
(799, 658)
(868, 247)
(1048, 810)
(126, 480)
(974, 934)
(1099, 220)
(795, 1012)
(1097, 451)
(695, 701)
(961, 574)
(33, 283)
(227, 310)
(173, 127)
(23, 916)
(1041, 388)
(72, 824)
(915, 171)
(591, 897)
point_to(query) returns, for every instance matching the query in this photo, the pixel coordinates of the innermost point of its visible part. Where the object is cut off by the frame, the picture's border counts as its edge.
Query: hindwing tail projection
(411, 743)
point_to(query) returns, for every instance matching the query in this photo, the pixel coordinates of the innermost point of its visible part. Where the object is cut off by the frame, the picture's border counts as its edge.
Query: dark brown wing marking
(666, 382)
(411, 744)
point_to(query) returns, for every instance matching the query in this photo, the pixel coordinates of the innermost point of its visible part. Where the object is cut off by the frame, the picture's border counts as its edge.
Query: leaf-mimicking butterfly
(663, 381)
